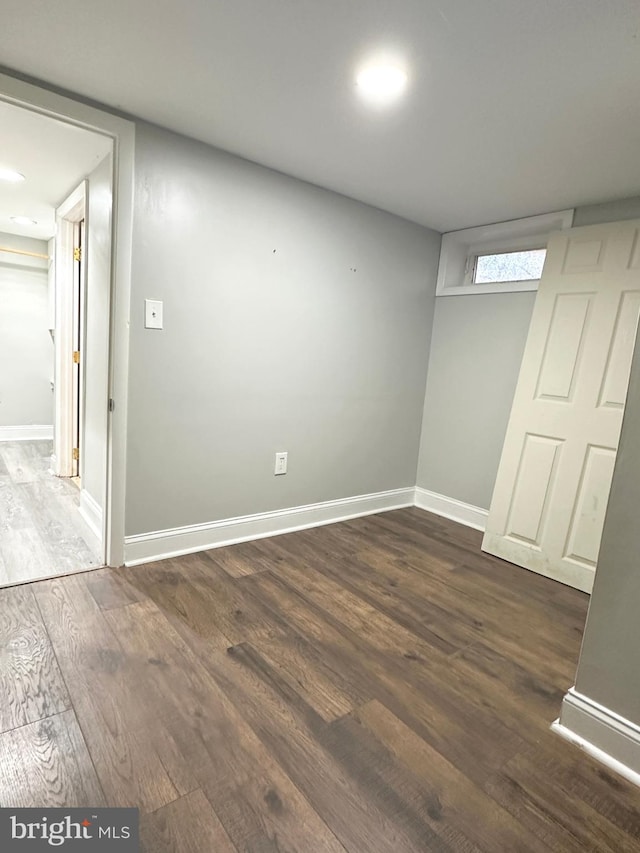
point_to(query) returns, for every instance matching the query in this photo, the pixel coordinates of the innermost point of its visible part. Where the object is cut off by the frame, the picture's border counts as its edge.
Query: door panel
(532, 486)
(563, 346)
(555, 472)
(585, 529)
(616, 375)
(584, 255)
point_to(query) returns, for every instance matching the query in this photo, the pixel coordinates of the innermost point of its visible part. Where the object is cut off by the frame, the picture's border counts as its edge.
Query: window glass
(509, 266)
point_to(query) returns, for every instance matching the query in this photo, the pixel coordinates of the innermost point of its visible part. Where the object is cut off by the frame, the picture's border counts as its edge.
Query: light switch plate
(153, 314)
(281, 463)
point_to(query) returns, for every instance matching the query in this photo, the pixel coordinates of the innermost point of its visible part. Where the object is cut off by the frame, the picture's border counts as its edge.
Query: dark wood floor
(377, 686)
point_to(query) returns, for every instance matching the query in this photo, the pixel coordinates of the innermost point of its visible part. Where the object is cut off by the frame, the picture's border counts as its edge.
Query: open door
(70, 291)
(553, 482)
(77, 366)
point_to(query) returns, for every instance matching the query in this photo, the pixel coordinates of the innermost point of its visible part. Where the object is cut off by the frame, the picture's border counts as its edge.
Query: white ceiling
(54, 157)
(515, 107)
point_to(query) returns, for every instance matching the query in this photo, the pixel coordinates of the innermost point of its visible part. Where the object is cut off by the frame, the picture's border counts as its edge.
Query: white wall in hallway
(26, 348)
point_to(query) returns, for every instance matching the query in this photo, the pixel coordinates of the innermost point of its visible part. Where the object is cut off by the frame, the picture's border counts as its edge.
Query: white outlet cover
(281, 463)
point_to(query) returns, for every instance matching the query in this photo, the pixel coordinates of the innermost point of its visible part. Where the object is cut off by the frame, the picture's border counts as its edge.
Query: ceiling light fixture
(23, 220)
(380, 84)
(10, 175)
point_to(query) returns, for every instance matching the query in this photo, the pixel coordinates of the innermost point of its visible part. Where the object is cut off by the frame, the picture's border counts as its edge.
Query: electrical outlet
(281, 463)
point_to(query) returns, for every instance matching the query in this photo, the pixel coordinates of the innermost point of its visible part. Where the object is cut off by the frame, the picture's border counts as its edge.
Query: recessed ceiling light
(23, 220)
(381, 83)
(10, 175)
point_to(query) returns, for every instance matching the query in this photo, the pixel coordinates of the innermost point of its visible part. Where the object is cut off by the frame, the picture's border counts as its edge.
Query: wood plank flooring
(41, 531)
(375, 686)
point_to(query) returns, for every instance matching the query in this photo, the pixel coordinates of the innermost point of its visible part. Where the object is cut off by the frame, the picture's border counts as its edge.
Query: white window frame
(460, 249)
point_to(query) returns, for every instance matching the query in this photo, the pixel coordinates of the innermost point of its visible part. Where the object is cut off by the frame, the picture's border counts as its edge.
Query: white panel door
(554, 477)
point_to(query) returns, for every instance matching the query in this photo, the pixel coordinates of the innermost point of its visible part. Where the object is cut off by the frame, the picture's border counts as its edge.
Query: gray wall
(94, 456)
(610, 211)
(608, 667)
(477, 346)
(295, 319)
(26, 348)
(476, 350)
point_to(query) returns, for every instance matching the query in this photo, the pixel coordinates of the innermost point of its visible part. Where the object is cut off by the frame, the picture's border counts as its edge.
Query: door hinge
(76, 356)
(112, 404)
(77, 253)
(76, 453)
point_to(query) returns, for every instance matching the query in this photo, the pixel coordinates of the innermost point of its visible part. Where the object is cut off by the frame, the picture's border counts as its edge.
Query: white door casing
(553, 481)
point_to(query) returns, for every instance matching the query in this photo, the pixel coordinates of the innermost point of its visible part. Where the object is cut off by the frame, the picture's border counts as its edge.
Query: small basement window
(507, 256)
(509, 266)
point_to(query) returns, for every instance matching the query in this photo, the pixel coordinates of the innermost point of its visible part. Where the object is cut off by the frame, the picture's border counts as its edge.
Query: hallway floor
(374, 686)
(42, 534)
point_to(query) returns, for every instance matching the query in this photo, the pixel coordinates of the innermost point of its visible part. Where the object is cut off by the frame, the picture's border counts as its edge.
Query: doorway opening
(116, 257)
(55, 294)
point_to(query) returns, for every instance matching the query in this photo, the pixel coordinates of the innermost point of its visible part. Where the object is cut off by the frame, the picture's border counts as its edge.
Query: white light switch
(152, 314)
(281, 463)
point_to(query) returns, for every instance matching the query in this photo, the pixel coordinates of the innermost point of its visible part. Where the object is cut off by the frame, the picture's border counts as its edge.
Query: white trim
(73, 206)
(91, 511)
(472, 516)
(601, 756)
(458, 247)
(476, 289)
(162, 544)
(30, 432)
(122, 131)
(602, 733)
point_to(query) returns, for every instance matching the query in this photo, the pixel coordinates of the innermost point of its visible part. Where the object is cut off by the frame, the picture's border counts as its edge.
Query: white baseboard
(602, 733)
(472, 516)
(29, 432)
(91, 511)
(162, 544)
